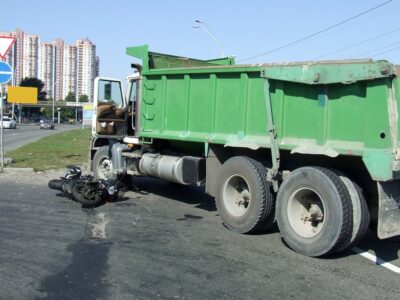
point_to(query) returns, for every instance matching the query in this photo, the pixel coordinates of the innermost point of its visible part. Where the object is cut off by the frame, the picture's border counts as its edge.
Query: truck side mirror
(107, 91)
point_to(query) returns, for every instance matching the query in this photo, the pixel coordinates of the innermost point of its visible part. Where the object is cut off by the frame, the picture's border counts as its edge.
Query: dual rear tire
(314, 211)
(318, 211)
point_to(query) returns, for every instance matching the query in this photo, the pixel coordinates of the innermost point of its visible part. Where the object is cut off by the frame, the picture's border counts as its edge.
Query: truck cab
(115, 112)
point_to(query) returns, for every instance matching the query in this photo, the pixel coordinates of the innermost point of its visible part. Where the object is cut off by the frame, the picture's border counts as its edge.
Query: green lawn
(54, 152)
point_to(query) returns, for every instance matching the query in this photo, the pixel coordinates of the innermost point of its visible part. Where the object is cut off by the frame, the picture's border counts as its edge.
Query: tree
(47, 113)
(83, 98)
(37, 83)
(67, 113)
(71, 97)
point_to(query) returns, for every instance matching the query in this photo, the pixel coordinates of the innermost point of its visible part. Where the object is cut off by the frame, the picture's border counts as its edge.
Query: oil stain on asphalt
(85, 276)
(189, 217)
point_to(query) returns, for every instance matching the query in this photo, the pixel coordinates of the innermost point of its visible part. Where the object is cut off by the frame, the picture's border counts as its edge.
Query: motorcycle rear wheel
(55, 184)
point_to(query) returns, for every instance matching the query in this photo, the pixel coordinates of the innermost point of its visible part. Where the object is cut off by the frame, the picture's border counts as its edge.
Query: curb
(8, 170)
(16, 170)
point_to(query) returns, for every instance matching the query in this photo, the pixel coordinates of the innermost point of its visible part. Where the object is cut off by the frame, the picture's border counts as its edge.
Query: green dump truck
(313, 145)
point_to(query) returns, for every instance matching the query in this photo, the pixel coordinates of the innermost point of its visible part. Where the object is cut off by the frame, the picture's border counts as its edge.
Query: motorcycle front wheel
(86, 194)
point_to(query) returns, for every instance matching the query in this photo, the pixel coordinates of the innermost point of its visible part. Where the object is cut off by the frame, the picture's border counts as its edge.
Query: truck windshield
(110, 92)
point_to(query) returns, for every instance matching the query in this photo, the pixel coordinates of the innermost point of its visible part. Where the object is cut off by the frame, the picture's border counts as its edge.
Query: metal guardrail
(50, 103)
(61, 103)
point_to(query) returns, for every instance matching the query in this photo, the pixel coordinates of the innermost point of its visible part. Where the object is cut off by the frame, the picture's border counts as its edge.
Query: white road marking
(98, 228)
(378, 261)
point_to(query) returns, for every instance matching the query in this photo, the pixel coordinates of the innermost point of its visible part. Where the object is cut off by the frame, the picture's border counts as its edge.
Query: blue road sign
(6, 72)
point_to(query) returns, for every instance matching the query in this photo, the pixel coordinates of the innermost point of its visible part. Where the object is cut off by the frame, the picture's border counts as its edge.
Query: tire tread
(262, 221)
(344, 196)
(365, 217)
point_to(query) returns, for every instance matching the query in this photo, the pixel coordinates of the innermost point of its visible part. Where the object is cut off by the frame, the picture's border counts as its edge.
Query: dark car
(46, 124)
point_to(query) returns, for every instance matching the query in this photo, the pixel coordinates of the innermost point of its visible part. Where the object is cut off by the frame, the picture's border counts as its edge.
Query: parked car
(9, 123)
(46, 124)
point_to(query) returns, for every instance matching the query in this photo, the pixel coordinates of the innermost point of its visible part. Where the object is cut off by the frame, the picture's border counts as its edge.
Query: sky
(245, 28)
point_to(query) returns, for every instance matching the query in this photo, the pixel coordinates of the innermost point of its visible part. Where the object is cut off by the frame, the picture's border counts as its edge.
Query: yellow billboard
(88, 106)
(17, 94)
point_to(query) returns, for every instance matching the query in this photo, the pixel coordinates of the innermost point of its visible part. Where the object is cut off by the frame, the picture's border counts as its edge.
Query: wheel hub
(105, 168)
(243, 197)
(236, 195)
(313, 214)
(306, 212)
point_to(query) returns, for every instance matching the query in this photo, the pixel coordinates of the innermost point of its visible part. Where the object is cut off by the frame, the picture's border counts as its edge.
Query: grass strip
(54, 152)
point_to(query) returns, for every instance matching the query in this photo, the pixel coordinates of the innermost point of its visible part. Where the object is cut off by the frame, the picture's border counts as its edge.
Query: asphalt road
(160, 242)
(15, 138)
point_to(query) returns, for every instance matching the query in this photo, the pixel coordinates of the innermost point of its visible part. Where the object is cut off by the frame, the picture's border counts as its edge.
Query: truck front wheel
(102, 164)
(314, 211)
(244, 199)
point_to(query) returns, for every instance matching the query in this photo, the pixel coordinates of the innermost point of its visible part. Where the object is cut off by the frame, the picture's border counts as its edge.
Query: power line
(387, 51)
(390, 10)
(362, 20)
(318, 32)
(360, 43)
(362, 54)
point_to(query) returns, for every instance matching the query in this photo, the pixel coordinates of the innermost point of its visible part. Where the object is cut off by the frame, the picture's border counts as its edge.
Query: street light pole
(207, 29)
(53, 111)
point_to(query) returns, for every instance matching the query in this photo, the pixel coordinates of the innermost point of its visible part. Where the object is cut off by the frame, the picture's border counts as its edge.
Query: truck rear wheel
(361, 216)
(101, 164)
(244, 199)
(314, 211)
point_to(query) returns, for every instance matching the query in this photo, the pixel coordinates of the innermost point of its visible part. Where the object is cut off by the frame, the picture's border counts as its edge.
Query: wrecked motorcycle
(85, 189)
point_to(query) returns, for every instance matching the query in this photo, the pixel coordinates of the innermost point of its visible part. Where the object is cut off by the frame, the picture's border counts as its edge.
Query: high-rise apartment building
(63, 68)
(46, 68)
(58, 46)
(69, 70)
(18, 56)
(86, 67)
(30, 56)
(97, 73)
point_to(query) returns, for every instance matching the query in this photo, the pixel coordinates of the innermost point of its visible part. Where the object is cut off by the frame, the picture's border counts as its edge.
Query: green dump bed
(329, 108)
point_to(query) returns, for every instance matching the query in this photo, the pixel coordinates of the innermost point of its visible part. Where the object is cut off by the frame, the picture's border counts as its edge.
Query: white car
(9, 123)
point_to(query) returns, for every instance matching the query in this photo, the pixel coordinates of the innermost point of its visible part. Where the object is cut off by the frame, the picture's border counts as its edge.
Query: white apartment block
(97, 66)
(58, 46)
(63, 68)
(30, 55)
(69, 70)
(46, 68)
(86, 67)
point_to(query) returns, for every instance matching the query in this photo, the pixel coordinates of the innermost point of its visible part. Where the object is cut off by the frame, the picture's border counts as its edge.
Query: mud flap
(389, 209)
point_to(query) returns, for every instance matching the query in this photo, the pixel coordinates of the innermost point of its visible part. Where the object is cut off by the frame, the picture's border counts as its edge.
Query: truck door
(110, 117)
(132, 105)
